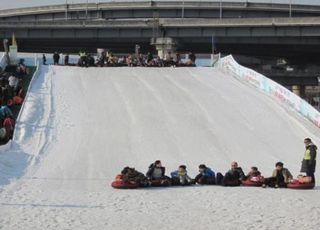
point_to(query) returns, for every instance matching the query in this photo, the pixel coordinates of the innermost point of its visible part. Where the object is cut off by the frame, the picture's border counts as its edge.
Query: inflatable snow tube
(160, 183)
(232, 183)
(124, 185)
(251, 183)
(297, 185)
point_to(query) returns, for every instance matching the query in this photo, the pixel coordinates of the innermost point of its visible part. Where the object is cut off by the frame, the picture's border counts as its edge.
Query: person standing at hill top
(309, 160)
(56, 58)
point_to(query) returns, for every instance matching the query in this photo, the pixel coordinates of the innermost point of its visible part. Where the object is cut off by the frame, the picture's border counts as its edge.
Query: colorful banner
(229, 65)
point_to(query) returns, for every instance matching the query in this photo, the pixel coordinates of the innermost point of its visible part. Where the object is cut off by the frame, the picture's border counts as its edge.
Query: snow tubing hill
(80, 126)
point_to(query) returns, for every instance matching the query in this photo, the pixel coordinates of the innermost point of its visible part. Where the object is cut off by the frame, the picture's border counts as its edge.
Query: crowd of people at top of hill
(11, 95)
(281, 176)
(131, 60)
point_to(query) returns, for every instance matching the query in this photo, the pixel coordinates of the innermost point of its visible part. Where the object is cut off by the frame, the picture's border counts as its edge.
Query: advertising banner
(229, 65)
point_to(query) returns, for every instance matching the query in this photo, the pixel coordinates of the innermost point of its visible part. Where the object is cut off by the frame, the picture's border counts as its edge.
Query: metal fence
(7, 4)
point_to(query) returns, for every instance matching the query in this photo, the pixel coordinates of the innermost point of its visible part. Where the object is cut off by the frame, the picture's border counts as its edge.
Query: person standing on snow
(44, 59)
(66, 59)
(309, 160)
(56, 58)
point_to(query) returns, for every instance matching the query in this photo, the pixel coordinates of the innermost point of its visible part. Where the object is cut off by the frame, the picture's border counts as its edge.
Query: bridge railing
(230, 66)
(286, 5)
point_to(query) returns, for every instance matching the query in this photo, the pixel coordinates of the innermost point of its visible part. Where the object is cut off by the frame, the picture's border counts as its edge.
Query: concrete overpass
(161, 9)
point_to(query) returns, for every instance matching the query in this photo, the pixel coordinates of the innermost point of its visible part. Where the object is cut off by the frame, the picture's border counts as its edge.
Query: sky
(8, 4)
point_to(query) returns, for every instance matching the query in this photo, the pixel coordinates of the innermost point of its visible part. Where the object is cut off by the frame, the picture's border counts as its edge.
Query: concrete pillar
(164, 46)
(303, 91)
(13, 50)
(299, 90)
(296, 89)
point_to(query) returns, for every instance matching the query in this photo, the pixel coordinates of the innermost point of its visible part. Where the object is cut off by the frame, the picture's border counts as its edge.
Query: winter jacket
(150, 173)
(178, 173)
(56, 57)
(13, 81)
(208, 172)
(237, 173)
(5, 94)
(5, 112)
(309, 160)
(182, 176)
(253, 174)
(135, 176)
(285, 173)
(8, 124)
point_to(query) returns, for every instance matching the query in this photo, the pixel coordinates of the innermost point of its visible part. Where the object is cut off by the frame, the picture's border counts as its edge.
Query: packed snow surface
(80, 126)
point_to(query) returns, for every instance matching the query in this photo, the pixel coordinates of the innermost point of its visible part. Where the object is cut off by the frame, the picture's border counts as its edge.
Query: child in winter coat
(254, 175)
(156, 174)
(180, 176)
(205, 176)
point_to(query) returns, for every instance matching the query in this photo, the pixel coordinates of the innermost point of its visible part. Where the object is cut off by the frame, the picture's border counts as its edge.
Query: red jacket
(8, 124)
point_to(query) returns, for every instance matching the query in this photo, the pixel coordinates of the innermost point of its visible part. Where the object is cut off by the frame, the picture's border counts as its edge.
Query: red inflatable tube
(123, 185)
(251, 183)
(234, 183)
(298, 185)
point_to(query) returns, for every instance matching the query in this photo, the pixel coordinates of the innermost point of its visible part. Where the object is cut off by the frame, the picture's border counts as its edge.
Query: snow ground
(79, 127)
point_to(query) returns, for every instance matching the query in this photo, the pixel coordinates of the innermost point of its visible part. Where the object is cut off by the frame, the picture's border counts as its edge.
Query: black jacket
(236, 173)
(309, 166)
(151, 170)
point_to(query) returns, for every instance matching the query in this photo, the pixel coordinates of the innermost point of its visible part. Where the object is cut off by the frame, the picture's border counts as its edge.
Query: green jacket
(309, 159)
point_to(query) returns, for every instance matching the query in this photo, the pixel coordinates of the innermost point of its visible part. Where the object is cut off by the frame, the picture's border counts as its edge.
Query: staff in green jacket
(309, 160)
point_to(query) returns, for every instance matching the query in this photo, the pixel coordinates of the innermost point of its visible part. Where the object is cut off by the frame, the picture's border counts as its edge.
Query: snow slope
(80, 127)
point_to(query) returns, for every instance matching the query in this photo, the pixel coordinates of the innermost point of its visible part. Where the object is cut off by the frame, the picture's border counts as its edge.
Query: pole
(212, 44)
(182, 12)
(87, 9)
(97, 9)
(220, 9)
(66, 16)
(290, 8)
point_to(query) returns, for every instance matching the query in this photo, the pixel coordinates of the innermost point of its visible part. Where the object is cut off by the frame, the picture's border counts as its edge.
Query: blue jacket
(208, 172)
(176, 173)
(5, 111)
